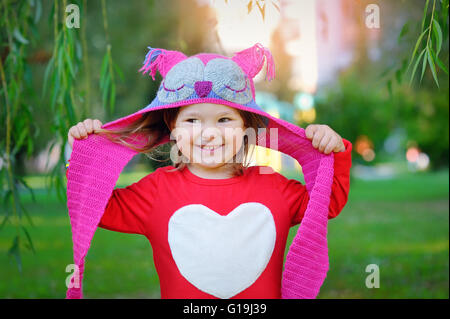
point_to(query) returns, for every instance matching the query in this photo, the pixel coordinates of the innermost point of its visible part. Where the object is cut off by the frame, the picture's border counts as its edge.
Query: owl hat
(96, 162)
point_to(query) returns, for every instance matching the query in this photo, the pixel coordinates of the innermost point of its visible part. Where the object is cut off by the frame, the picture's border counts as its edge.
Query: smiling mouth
(206, 148)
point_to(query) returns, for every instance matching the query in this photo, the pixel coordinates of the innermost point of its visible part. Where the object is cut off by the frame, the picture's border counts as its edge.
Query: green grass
(401, 225)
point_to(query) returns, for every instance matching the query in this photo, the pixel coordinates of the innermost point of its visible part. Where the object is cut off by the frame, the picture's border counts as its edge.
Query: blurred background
(374, 71)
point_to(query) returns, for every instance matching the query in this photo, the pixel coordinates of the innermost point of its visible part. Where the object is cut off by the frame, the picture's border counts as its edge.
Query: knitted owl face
(219, 78)
(208, 78)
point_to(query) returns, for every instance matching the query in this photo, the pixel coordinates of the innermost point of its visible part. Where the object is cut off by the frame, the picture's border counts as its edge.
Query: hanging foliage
(66, 97)
(18, 33)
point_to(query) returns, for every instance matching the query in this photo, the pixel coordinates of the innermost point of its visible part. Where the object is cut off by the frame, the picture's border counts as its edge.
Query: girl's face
(208, 135)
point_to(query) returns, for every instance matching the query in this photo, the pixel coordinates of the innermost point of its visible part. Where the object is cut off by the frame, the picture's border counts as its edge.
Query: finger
(310, 130)
(71, 132)
(324, 142)
(331, 145)
(74, 132)
(82, 130)
(340, 147)
(318, 135)
(89, 126)
(97, 125)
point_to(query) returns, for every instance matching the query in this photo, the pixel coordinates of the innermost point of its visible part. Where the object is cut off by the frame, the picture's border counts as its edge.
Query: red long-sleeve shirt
(219, 238)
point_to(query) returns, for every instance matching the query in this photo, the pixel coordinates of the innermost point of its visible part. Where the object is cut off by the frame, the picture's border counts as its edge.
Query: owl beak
(202, 88)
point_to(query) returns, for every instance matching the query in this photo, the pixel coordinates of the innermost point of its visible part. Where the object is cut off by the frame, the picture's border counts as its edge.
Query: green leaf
(438, 61)
(416, 65)
(24, 183)
(4, 222)
(404, 65)
(7, 197)
(403, 31)
(27, 215)
(37, 15)
(78, 50)
(30, 147)
(19, 36)
(48, 70)
(68, 103)
(389, 86)
(112, 97)
(55, 90)
(444, 10)
(60, 55)
(106, 90)
(424, 14)
(398, 76)
(104, 80)
(419, 40)
(118, 71)
(8, 194)
(69, 63)
(13, 88)
(19, 142)
(438, 34)
(51, 15)
(432, 66)
(424, 64)
(15, 194)
(29, 239)
(14, 250)
(441, 65)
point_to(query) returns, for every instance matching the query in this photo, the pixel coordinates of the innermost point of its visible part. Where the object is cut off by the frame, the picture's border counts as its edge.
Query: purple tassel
(151, 62)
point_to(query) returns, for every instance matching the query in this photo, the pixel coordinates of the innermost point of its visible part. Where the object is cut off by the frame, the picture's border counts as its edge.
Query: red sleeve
(297, 196)
(341, 179)
(129, 208)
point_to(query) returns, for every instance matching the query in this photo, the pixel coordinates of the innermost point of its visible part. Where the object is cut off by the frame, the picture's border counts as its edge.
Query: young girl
(217, 227)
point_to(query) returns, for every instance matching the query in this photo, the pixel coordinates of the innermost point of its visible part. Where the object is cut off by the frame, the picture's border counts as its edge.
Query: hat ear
(161, 60)
(251, 60)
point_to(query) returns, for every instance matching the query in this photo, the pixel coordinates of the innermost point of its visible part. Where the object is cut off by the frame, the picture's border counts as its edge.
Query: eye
(175, 90)
(189, 120)
(236, 91)
(225, 118)
(178, 84)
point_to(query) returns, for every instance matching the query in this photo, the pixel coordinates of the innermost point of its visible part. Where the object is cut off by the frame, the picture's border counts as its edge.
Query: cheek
(235, 139)
(183, 137)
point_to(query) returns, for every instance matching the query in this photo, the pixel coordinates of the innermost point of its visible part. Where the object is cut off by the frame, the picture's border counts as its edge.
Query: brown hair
(155, 125)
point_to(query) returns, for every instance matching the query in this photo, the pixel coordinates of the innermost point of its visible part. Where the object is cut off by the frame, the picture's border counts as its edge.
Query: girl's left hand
(324, 138)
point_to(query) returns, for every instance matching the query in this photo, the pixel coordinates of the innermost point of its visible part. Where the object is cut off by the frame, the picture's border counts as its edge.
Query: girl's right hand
(83, 129)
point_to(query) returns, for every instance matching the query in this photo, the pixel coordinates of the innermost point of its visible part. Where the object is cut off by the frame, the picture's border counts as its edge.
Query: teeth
(210, 147)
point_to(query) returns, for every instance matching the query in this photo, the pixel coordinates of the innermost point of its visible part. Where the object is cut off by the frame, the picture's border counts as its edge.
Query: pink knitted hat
(96, 162)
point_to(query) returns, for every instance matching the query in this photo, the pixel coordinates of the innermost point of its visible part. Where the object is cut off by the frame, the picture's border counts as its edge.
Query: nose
(209, 134)
(202, 88)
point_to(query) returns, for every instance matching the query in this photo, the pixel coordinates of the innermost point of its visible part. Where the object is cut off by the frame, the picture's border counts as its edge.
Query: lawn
(401, 225)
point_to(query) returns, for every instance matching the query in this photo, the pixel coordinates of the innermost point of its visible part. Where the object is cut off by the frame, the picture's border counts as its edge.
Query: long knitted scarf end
(74, 293)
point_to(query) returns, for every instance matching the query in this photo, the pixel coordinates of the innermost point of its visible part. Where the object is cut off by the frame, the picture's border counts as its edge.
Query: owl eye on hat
(96, 162)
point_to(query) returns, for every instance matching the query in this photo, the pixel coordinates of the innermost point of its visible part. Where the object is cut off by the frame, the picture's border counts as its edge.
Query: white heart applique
(222, 255)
